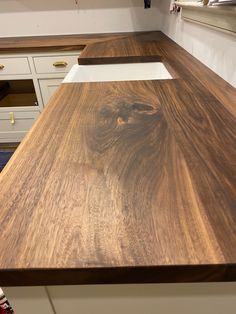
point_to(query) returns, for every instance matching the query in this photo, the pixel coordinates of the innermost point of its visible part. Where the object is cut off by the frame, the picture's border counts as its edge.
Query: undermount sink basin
(117, 72)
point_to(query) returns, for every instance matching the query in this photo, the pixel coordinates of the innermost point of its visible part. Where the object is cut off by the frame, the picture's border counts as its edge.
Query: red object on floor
(4, 312)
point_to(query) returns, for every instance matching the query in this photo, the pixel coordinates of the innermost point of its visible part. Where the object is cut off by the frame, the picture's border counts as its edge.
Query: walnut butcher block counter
(125, 182)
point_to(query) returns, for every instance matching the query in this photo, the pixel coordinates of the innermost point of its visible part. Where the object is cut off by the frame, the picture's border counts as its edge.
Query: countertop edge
(119, 275)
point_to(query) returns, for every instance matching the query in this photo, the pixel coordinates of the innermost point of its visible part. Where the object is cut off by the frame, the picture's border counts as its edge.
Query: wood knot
(121, 120)
(142, 107)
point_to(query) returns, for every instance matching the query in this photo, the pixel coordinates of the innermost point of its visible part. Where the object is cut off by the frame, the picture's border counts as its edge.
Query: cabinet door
(29, 300)
(48, 87)
(202, 298)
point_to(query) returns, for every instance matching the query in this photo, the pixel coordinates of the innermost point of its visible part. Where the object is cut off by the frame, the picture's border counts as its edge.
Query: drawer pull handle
(12, 118)
(2, 66)
(60, 64)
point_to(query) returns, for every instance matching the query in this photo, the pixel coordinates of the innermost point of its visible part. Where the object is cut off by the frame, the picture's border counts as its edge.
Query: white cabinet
(29, 300)
(55, 63)
(48, 88)
(27, 81)
(14, 65)
(204, 298)
(15, 124)
(50, 70)
(186, 298)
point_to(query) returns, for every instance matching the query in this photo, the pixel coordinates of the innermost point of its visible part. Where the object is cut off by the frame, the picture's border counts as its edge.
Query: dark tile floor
(6, 151)
(4, 158)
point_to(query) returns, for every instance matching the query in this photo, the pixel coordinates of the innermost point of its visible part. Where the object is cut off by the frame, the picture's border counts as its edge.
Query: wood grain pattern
(52, 43)
(124, 182)
(121, 184)
(178, 61)
(145, 44)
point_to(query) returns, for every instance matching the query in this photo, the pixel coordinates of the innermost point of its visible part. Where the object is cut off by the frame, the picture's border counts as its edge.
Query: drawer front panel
(15, 124)
(55, 64)
(11, 66)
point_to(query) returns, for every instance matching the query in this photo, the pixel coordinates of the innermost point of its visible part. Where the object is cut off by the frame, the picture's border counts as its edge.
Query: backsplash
(215, 49)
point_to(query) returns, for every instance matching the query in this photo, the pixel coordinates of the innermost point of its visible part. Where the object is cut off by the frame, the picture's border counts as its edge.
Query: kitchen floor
(6, 151)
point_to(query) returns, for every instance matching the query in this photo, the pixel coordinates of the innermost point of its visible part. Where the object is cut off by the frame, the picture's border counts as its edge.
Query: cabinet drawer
(55, 64)
(15, 124)
(11, 66)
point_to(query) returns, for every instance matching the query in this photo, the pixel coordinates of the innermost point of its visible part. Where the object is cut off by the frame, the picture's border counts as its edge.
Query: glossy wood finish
(178, 61)
(52, 43)
(145, 44)
(123, 182)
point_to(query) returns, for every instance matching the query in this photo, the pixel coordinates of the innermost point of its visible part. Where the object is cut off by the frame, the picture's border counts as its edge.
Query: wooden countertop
(125, 182)
(52, 43)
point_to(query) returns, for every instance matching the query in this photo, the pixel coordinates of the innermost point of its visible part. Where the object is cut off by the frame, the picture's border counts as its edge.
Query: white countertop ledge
(117, 72)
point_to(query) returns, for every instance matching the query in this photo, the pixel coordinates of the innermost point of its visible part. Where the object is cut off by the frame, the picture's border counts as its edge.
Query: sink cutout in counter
(117, 72)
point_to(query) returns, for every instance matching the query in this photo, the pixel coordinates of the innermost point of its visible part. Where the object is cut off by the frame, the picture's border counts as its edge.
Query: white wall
(44, 17)
(215, 49)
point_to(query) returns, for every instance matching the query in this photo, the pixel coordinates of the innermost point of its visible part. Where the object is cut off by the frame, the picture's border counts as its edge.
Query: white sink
(118, 72)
